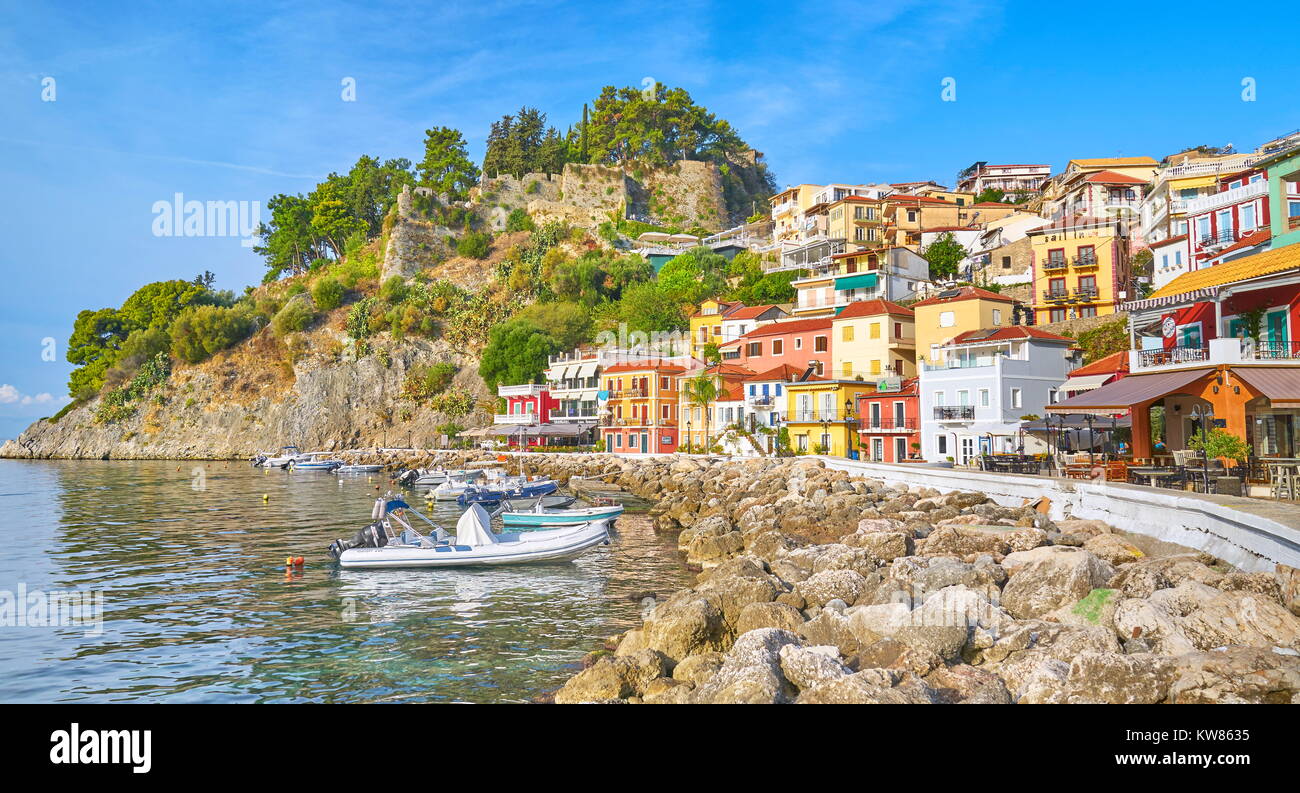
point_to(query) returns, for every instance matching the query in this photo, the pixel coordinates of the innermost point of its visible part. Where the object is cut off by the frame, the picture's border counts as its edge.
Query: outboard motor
(405, 476)
(373, 536)
(258, 460)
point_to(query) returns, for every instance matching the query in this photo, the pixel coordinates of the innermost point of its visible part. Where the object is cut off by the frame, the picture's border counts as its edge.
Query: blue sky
(239, 101)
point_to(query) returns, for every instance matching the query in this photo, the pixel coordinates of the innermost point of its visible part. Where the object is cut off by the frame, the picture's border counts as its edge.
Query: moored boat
(495, 494)
(358, 469)
(560, 517)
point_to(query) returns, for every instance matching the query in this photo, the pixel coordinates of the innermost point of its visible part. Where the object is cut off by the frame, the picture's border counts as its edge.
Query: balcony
(810, 416)
(1218, 351)
(1085, 261)
(1226, 198)
(760, 401)
(572, 415)
(525, 390)
(1055, 295)
(515, 418)
(1054, 263)
(1086, 294)
(1213, 242)
(888, 425)
(954, 413)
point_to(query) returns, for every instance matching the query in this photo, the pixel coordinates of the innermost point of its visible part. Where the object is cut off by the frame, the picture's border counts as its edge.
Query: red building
(794, 342)
(527, 405)
(1234, 220)
(889, 420)
(640, 413)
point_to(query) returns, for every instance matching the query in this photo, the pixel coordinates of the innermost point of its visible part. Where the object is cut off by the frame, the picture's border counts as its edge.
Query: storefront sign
(1169, 327)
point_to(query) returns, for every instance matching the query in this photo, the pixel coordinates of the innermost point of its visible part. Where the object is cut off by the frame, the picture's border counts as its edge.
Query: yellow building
(788, 207)
(706, 324)
(1080, 266)
(938, 319)
(859, 221)
(873, 338)
(821, 415)
(907, 216)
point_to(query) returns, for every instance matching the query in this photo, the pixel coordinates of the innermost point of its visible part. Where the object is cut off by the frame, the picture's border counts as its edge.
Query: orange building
(640, 411)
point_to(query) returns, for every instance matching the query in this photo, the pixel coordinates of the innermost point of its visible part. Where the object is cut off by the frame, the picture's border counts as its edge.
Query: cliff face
(229, 408)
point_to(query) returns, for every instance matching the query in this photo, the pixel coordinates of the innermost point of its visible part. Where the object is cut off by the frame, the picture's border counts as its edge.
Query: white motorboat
(287, 455)
(358, 469)
(436, 476)
(542, 517)
(391, 541)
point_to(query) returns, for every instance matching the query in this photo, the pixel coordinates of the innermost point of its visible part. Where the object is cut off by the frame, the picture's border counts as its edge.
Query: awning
(587, 396)
(1086, 382)
(586, 370)
(1123, 394)
(861, 281)
(1281, 386)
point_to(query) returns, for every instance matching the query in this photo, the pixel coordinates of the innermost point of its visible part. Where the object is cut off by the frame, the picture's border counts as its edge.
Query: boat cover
(475, 527)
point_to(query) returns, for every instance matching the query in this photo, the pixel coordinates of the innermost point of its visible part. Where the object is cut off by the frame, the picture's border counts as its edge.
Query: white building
(972, 402)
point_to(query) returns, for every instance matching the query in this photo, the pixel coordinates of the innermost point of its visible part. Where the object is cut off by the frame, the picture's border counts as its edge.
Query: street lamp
(690, 439)
(1089, 419)
(1203, 419)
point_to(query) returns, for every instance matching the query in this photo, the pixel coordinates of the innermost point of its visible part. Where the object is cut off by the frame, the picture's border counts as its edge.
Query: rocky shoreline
(820, 587)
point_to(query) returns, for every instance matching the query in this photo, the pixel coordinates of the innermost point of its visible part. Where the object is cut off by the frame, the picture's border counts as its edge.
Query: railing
(1055, 264)
(1085, 293)
(759, 401)
(1056, 294)
(1271, 350)
(962, 363)
(819, 415)
(561, 415)
(1085, 261)
(1221, 238)
(888, 424)
(1228, 197)
(514, 418)
(954, 412)
(1173, 355)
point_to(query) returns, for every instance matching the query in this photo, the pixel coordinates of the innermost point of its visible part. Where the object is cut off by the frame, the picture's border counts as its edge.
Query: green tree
(695, 275)
(754, 287)
(446, 166)
(945, 256)
(644, 307)
(328, 293)
(474, 244)
(991, 194)
(517, 352)
(289, 244)
(519, 220)
(702, 391)
(203, 330)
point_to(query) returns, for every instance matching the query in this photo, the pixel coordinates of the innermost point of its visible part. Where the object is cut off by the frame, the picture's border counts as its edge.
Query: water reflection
(199, 605)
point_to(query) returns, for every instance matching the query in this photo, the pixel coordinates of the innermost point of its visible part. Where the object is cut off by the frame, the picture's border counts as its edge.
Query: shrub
(424, 383)
(359, 318)
(203, 330)
(297, 315)
(519, 220)
(328, 293)
(394, 290)
(474, 245)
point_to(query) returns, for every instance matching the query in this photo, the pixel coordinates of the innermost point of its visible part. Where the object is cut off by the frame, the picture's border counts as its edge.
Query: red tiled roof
(1115, 363)
(643, 366)
(920, 199)
(871, 308)
(1004, 334)
(967, 293)
(1111, 177)
(784, 372)
(1169, 241)
(751, 312)
(778, 328)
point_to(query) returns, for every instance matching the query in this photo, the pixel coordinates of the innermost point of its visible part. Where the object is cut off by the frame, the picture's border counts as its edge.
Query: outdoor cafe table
(1152, 474)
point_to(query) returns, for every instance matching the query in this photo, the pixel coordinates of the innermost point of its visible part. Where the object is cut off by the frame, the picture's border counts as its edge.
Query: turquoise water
(198, 607)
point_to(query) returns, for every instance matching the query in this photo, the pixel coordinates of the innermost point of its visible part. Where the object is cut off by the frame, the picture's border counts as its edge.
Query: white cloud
(9, 395)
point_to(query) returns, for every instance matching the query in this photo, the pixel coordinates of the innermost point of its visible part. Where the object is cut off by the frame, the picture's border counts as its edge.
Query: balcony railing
(884, 424)
(1224, 198)
(1085, 261)
(761, 400)
(1216, 240)
(1052, 295)
(1055, 263)
(571, 415)
(1085, 293)
(1171, 355)
(820, 415)
(515, 418)
(954, 412)
(1271, 350)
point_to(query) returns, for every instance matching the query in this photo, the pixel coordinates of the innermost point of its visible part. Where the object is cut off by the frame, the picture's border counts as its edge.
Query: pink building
(795, 342)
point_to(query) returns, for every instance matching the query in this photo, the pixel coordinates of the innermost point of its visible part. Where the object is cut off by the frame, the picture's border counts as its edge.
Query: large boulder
(820, 588)
(1236, 675)
(1111, 548)
(808, 666)
(861, 688)
(1193, 616)
(964, 540)
(1109, 678)
(970, 685)
(685, 624)
(1142, 579)
(1053, 581)
(614, 677)
(751, 672)
(769, 615)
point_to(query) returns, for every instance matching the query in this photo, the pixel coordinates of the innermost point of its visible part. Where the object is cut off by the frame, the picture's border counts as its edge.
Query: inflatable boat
(392, 541)
(560, 517)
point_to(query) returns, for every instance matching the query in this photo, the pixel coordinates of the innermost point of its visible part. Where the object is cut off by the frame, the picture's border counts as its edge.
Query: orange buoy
(298, 561)
(288, 561)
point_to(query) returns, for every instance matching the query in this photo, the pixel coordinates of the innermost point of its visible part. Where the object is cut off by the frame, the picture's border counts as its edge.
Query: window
(618, 441)
(1056, 315)
(1178, 258)
(1248, 217)
(1225, 223)
(911, 216)
(663, 412)
(1056, 287)
(754, 348)
(847, 333)
(1015, 398)
(947, 319)
(943, 444)
(663, 383)
(1051, 396)
(819, 344)
(798, 342)
(778, 346)
(1088, 311)
(997, 316)
(938, 398)
(963, 397)
(875, 366)
(875, 330)
(1056, 257)
(1006, 262)
(898, 330)
(984, 397)
(1087, 254)
(803, 443)
(1088, 285)
(847, 368)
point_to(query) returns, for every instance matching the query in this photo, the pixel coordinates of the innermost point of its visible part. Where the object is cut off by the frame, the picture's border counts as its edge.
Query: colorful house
(873, 338)
(706, 324)
(938, 319)
(1236, 211)
(1284, 195)
(640, 415)
(742, 320)
(1214, 348)
(821, 415)
(889, 420)
(795, 342)
(1080, 267)
(844, 278)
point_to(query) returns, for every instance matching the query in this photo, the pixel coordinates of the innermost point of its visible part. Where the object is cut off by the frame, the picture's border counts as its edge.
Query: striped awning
(1122, 395)
(1086, 383)
(1280, 385)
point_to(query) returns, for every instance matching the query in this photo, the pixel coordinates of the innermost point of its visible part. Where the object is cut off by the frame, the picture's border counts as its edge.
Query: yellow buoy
(266, 497)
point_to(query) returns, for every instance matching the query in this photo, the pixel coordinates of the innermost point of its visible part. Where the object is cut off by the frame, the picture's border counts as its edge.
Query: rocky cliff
(243, 401)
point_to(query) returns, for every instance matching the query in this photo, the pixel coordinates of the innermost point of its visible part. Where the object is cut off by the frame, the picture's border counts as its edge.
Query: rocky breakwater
(819, 587)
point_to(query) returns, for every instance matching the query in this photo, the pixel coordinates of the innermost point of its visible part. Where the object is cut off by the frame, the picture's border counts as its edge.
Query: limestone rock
(614, 677)
(819, 588)
(808, 666)
(1112, 549)
(1193, 616)
(769, 615)
(751, 672)
(1236, 675)
(1110, 678)
(1054, 581)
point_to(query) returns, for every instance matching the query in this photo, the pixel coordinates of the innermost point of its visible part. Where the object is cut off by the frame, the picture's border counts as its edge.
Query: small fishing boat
(547, 502)
(560, 517)
(358, 469)
(392, 541)
(436, 476)
(315, 461)
(495, 494)
(449, 491)
(286, 455)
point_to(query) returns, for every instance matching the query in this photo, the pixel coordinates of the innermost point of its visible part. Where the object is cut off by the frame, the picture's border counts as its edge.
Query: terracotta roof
(1005, 334)
(1169, 241)
(1115, 363)
(750, 312)
(785, 372)
(872, 308)
(1257, 237)
(1110, 177)
(966, 293)
(920, 199)
(643, 366)
(1266, 263)
(778, 328)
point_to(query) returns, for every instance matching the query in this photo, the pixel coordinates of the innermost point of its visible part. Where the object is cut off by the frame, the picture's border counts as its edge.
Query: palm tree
(702, 390)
